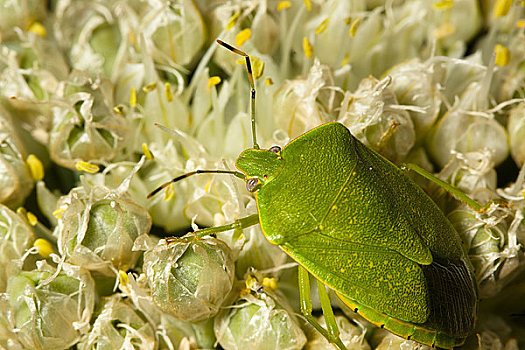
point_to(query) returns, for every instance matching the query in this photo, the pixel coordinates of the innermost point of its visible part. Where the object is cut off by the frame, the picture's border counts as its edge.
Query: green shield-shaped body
(356, 222)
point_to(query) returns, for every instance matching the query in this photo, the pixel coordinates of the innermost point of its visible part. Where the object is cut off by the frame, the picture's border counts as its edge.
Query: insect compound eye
(253, 184)
(275, 149)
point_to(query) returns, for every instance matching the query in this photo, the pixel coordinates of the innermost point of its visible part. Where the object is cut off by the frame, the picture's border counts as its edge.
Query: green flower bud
(15, 178)
(190, 279)
(176, 31)
(54, 314)
(516, 130)
(371, 116)
(89, 130)
(493, 245)
(98, 229)
(119, 326)
(259, 322)
(15, 238)
(412, 82)
(297, 105)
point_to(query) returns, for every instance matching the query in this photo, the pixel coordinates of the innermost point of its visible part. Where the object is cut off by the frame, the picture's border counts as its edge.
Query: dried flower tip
(446, 29)
(58, 213)
(147, 152)
(283, 5)
(45, 249)
(501, 8)
(214, 81)
(502, 55)
(37, 28)
(167, 92)
(308, 4)
(243, 36)
(322, 26)
(232, 21)
(150, 87)
(269, 81)
(443, 4)
(257, 67)
(133, 97)
(270, 283)
(35, 167)
(31, 218)
(168, 193)
(118, 109)
(353, 27)
(87, 167)
(307, 48)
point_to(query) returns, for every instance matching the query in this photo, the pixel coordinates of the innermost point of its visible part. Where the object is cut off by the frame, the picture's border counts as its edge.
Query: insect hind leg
(331, 333)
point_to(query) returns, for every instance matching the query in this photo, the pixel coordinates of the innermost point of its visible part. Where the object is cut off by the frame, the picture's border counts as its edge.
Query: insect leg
(332, 334)
(448, 187)
(238, 224)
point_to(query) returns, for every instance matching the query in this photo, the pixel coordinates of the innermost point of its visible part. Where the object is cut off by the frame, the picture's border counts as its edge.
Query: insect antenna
(252, 84)
(191, 173)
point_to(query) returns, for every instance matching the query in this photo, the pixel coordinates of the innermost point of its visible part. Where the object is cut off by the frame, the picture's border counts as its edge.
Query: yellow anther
(35, 167)
(244, 292)
(21, 211)
(149, 87)
(31, 218)
(243, 36)
(87, 167)
(58, 212)
(37, 28)
(207, 188)
(257, 67)
(520, 23)
(269, 81)
(353, 27)
(232, 21)
(118, 109)
(133, 97)
(214, 81)
(283, 5)
(147, 152)
(345, 60)
(502, 55)
(45, 249)
(123, 278)
(443, 4)
(501, 8)
(307, 48)
(270, 283)
(322, 26)
(308, 4)
(167, 92)
(250, 282)
(446, 29)
(168, 193)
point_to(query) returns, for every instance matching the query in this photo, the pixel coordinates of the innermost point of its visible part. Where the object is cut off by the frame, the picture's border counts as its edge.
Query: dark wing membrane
(452, 297)
(379, 278)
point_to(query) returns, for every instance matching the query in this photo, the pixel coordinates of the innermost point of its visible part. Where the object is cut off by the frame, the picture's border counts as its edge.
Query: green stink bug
(360, 226)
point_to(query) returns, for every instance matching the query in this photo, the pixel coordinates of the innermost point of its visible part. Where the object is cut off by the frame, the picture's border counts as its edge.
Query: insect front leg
(238, 224)
(332, 332)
